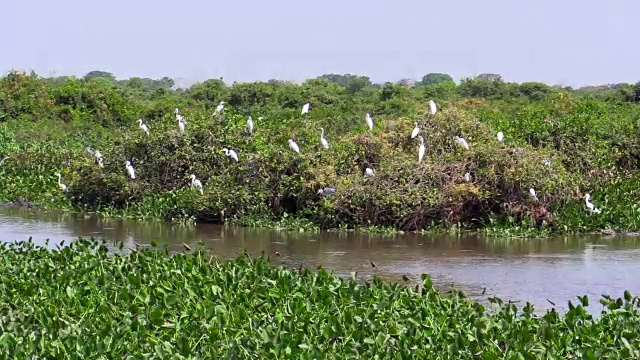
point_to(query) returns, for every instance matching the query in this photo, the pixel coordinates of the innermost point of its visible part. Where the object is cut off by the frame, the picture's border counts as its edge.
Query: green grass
(81, 301)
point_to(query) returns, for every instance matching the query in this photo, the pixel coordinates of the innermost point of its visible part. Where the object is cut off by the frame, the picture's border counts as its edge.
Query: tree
(435, 78)
(100, 74)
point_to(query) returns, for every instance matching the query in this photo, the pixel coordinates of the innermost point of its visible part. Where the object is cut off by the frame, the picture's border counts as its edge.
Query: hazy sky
(568, 42)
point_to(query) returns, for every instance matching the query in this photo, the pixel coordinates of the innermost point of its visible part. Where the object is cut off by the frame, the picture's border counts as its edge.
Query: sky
(561, 42)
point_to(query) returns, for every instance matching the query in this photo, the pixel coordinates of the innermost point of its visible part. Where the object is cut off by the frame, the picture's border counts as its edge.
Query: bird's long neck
(59, 179)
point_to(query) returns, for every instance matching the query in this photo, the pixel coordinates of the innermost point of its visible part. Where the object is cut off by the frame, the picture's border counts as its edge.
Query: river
(536, 270)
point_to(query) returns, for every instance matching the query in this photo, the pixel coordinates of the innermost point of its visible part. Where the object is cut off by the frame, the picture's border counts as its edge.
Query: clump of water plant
(89, 300)
(560, 143)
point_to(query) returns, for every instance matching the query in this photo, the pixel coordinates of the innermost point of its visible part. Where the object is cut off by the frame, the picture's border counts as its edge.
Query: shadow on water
(534, 270)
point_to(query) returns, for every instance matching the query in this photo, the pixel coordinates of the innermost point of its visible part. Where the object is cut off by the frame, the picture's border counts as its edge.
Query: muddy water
(538, 271)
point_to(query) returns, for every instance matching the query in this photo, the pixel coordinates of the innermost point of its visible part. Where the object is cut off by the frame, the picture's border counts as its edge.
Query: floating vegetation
(84, 301)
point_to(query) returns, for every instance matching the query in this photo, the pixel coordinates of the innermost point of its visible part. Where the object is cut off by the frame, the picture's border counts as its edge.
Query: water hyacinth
(84, 301)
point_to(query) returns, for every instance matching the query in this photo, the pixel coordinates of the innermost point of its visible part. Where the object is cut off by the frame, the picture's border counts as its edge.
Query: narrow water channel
(539, 271)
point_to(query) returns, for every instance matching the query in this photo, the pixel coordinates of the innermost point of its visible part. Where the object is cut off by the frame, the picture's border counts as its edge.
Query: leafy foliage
(588, 138)
(81, 301)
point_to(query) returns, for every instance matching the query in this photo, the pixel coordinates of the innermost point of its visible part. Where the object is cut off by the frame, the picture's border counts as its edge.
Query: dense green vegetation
(82, 302)
(589, 136)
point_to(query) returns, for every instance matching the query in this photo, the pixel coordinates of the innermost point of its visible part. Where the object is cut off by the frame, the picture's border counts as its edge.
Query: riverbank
(563, 145)
(83, 301)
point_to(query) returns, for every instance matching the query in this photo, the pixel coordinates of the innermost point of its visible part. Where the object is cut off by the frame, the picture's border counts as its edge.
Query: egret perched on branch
(467, 177)
(416, 130)
(231, 153)
(130, 170)
(181, 124)
(369, 121)
(433, 108)
(196, 183)
(220, 107)
(590, 206)
(250, 125)
(500, 136)
(98, 156)
(532, 192)
(305, 108)
(294, 146)
(462, 142)
(368, 172)
(62, 186)
(421, 150)
(143, 126)
(323, 140)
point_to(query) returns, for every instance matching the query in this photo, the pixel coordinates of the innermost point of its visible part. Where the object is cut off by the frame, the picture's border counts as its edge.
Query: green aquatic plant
(89, 300)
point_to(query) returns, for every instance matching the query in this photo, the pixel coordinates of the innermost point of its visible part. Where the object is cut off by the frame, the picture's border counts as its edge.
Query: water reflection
(527, 270)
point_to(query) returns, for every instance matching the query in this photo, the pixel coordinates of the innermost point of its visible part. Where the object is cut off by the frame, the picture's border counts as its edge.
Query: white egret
(532, 192)
(181, 124)
(250, 125)
(369, 121)
(368, 172)
(196, 183)
(416, 130)
(100, 162)
(433, 108)
(231, 153)
(294, 146)
(97, 154)
(305, 108)
(323, 140)
(177, 111)
(62, 186)
(590, 206)
(462, 142)
(547, 162)
(500, 136)
(130, 169)
(143, 126)
(220, 107)
(421, 150)
(467, 177)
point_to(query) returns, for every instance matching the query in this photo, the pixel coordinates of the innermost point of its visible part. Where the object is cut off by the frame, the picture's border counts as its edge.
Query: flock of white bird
(368, 173)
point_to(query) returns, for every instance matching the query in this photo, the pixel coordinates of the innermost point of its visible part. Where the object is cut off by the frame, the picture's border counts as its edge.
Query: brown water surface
(537, 271)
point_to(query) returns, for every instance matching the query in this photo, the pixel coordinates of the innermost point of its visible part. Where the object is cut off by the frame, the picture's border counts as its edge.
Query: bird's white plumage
(369, 120)
(590, 205)
(97, 154)
(467, 177)
(181, 124)
(421, 150)
(231, 153)
(323, 140)
(305, 108)
(500, 136)
(196, 183)
(143, 126)
(368, 172)
(294, 146)
(462, 142)
(416, 130)
(130, 170)
(62, 186)
(433, 108)
(532, 192)
(250, 125)
(100, 162)
(220, 107)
